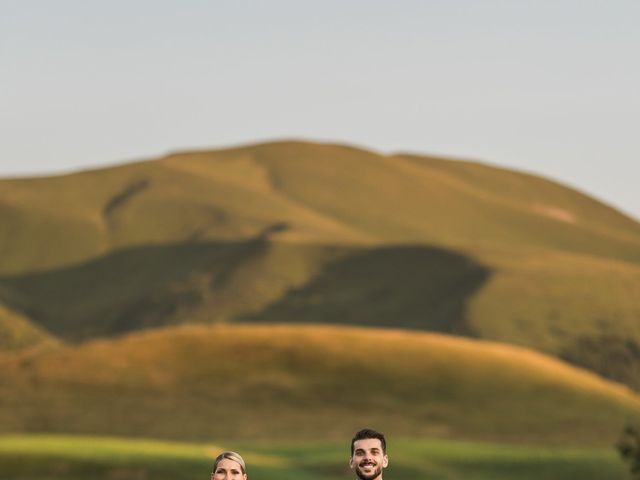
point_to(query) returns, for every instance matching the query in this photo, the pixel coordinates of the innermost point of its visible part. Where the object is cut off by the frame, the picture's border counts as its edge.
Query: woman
(229, 466)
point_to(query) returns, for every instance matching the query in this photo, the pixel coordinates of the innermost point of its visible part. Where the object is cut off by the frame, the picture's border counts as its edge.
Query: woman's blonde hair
(229, 456)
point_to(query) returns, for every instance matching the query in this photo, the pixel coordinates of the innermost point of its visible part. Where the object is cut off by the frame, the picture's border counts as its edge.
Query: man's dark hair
(368, 433)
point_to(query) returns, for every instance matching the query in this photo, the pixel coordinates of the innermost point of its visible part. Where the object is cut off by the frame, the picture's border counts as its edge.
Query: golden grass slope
(281, 231)
(320, 193)
(17, 332)
(321, 382)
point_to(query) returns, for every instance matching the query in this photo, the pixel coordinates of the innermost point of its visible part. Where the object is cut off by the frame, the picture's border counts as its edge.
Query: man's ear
(351, 463)
(244, 475)
(385, 461)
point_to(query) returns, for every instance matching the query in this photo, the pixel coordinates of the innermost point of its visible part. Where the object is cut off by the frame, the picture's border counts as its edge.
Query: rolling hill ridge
(306, 232)
(294, 382)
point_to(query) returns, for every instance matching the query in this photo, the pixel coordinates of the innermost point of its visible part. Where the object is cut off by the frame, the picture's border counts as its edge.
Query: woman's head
(229, 466)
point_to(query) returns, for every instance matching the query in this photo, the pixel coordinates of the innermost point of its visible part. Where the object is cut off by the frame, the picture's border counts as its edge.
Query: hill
(304, 232)
(299, 382)
(17, 332)
(315, 193)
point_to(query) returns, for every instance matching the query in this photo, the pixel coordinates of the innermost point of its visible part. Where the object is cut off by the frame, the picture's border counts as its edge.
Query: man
(368, 455)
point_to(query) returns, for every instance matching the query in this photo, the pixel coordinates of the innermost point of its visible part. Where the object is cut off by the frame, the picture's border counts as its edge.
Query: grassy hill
(414, 286)
(69, 458)
(300, 382)
(316, 193)
(17, 332)
(304, 232)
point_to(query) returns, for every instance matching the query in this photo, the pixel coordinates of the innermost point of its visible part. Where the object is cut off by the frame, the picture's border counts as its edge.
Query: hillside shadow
(130, 289)
(612, 355)
(255, 280)
(414, 287)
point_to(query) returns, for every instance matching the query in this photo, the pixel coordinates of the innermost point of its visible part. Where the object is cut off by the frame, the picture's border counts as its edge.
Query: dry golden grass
(286, 382)
(145, 243)
(324, 193)
(17, 332)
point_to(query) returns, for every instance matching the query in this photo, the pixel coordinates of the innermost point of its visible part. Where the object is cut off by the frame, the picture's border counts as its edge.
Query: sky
(550, 87)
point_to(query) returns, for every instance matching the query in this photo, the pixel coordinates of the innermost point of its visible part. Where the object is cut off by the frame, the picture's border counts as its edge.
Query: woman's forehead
(228, 464)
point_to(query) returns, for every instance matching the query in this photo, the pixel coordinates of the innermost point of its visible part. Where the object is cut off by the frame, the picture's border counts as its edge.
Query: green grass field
(31, 457)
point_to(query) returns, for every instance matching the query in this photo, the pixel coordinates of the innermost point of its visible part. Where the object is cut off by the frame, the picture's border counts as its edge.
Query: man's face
(368, 459)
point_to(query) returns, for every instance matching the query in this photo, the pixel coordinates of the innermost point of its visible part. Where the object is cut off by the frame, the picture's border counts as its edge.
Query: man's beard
(377, 470)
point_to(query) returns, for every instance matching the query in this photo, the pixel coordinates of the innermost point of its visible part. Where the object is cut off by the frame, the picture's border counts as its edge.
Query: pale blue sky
(550, 87)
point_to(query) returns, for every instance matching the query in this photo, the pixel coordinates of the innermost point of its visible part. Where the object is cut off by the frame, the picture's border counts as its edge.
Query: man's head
(368, 454)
